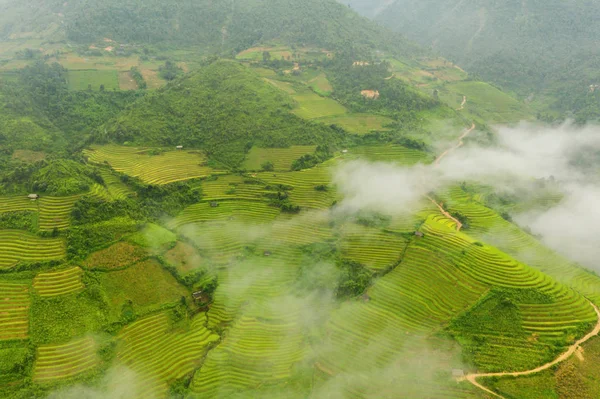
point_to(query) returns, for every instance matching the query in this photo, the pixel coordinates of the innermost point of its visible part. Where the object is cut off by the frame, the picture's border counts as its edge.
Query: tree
(266, 56)
(267, 166)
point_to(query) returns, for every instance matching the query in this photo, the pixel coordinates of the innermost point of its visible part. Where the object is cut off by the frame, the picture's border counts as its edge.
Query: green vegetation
(191, 227)
(245, 103)
(528, 48)
(95, 80)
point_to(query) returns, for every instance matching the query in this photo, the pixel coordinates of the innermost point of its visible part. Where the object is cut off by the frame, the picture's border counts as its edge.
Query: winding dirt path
(459, 225)
(457, 146)
(472, 378)
(462, 105)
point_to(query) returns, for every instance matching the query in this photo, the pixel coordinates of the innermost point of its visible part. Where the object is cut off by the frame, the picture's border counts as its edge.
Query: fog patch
(119, 383)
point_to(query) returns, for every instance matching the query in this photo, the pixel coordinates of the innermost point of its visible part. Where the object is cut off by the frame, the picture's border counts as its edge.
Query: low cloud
(119, 383)
(566, 154)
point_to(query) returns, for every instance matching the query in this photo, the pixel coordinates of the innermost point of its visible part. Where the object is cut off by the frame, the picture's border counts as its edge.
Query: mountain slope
(225, 25)
(527, 46)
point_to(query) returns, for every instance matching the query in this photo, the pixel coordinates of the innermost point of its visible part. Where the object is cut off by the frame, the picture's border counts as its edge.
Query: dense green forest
(227, 25)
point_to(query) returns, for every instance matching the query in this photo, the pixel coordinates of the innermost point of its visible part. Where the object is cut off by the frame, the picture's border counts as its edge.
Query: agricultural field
(160, 352)
(14, 310)
(281, 158)
(485, 102)
(19, 246)
(145, 284)
(396, 154)
(56, 362)
(83, 79)
(219, 272)
(58, 282)
(164, 168)
(359, 123)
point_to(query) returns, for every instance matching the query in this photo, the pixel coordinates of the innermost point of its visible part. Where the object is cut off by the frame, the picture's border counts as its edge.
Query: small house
(366, 298)
(419, 234)
(214, 204)
(344, 151)
(179, 147)
(197, 295)
(370, 94)
(33, 197)
(267, 253)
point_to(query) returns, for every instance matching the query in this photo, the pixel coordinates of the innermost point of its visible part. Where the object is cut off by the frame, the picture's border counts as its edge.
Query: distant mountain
(529, 46)
(213, 25)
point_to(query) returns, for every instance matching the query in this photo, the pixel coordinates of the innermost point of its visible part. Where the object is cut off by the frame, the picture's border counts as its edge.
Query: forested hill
(529, 46)
(212, 25)
(225, 108)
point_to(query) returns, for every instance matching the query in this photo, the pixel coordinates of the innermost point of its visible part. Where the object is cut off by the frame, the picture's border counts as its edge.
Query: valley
(274, 199)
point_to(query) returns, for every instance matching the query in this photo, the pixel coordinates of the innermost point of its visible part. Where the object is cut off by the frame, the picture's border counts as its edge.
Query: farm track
(460, 144)
(472, 378)
(459, 225)
(462, 105)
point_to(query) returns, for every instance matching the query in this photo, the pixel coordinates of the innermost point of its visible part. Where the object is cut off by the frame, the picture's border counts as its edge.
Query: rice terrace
(287, 199)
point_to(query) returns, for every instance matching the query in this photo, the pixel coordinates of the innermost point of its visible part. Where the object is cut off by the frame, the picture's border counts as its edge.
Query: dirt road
(457, 146)
(462, 105)
(459, 225)
(472, 378)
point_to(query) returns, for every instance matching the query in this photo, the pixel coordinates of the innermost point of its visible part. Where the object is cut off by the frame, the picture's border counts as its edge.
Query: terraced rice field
(390, 153)
(14, 310)
(488, 225)
(55, 212)
(168, 167)
(22, 246)
(56, 362)
(359, 123)
(59, 282)
(442, 275)
(260, 349)
(371, 247)
(258, 279)
(115, 187)
(227, 211)
(82, 79)
(14, 204)
(304, 183)
(282, 158)
(159, 354)
(221, 233)
(547, 322)
(234, 187)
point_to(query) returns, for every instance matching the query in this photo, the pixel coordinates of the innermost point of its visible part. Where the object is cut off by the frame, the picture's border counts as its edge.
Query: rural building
(179, 147)
(419, 234)
(214, 204)
(268, 253)
(344, 151)
(197, 295)
(370, 94)
(33, 197)
(366, 298)
(360, 63)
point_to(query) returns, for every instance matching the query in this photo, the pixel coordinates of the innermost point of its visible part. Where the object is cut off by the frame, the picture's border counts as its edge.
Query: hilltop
(223, 108)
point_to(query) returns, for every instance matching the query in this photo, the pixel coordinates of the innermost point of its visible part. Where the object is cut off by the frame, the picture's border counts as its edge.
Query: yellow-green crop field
(167, 167)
